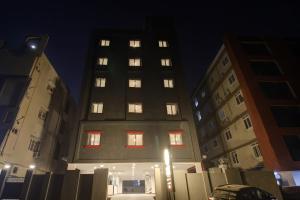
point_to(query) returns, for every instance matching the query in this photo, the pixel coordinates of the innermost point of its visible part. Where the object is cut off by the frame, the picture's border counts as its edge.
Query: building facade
(36, 110)
(246, 107)
(134, 105)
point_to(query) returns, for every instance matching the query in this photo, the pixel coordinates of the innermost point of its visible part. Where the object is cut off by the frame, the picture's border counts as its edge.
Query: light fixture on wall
(32, 166)
(7, 166)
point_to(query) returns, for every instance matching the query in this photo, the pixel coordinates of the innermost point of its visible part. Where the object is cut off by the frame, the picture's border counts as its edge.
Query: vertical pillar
(70, 185)
(99, 188)
(3, 176)
(26, 185)
(160, 184)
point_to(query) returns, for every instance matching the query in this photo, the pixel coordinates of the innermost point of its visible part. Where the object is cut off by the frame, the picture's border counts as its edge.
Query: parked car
(240, 192)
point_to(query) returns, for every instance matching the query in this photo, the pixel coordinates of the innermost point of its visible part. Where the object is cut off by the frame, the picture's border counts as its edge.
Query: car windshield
(224, 194)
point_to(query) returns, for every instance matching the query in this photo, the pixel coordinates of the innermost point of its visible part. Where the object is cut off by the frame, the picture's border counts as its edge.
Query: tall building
(133, 106)
(246, 107)
(36, 111)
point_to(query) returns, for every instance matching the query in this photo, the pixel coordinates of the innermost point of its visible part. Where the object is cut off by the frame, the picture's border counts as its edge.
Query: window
(175, 138)
(276, 90)
(256, 150)
(225, 61)
(196, 102)
(162, 43)
(265, 68)
(228, 134)
(286, 116)
(256, 49)
(247, 122)
(166, 62)
(103, 61)
(231, 79)
(51, 86)
(104, 43)
(100, 82)
(42, 114)
(135, 108)
(221, 115)
(199, 117)
(135, 43)
(215, 143)
(135, 83)
(293, 144)
(203, 94)
(239, 98)
(97, 107)
(135, 139)
(135, 62)
(168, 83)
(34, 146)
(234, 157)
(93, 139)
(172, 109)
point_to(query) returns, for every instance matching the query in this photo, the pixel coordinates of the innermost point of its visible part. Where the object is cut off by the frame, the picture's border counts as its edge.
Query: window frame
(247, 121)
(104, 43)
(168, 83)
(172, 104)
(135, 80)
(234, 157)
(92, 132)
(130, 60)
(133, 43)
(164, 61)
(135, 132)
(239, 98)
(176, 133)
(102, 61)
(256, 150)
(135, 104)
(101, 83)
(98, 103)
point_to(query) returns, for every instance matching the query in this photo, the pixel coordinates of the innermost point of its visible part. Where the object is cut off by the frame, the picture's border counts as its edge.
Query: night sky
(200, 27)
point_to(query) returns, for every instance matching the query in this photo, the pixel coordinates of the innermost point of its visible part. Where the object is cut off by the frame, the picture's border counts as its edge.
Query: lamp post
(169, 174)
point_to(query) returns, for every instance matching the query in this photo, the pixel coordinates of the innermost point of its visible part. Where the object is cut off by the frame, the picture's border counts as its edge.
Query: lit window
(234, 157)
(196, 102)
(162, 43)
(175, 138)
(97, 107)
(239, 98)
(247, 122)
(135, 62)
(100, 82)
(231, 78)
(228, 134)
(256, 150)
(93, 139)
(165, 62)
(135, 139)
(135, 108)
(198, 114)
(168, 83)
(135, 43)
(172, 109)
(104, 43)
(103, 61)
(135, 83)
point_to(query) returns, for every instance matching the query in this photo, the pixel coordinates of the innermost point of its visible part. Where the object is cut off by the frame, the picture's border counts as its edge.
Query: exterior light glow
(6, 166)
(33, 46)
(168, 169)
(156, 165)
(101, 166)
(31, 166)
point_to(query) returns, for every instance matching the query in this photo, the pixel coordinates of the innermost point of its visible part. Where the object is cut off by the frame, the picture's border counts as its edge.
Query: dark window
(265, 68)
(255, 49)
(286, 116)
(293, 144)
(276, 90)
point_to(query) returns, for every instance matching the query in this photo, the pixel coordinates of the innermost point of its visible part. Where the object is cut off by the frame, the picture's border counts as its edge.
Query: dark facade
(116, 123)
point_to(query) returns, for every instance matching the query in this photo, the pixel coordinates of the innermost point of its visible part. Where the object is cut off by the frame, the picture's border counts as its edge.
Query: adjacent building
(134, 104)
(246, 107)
(36, 111)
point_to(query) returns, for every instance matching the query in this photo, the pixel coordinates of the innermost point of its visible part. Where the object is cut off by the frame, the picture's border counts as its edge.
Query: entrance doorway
(133, 187)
